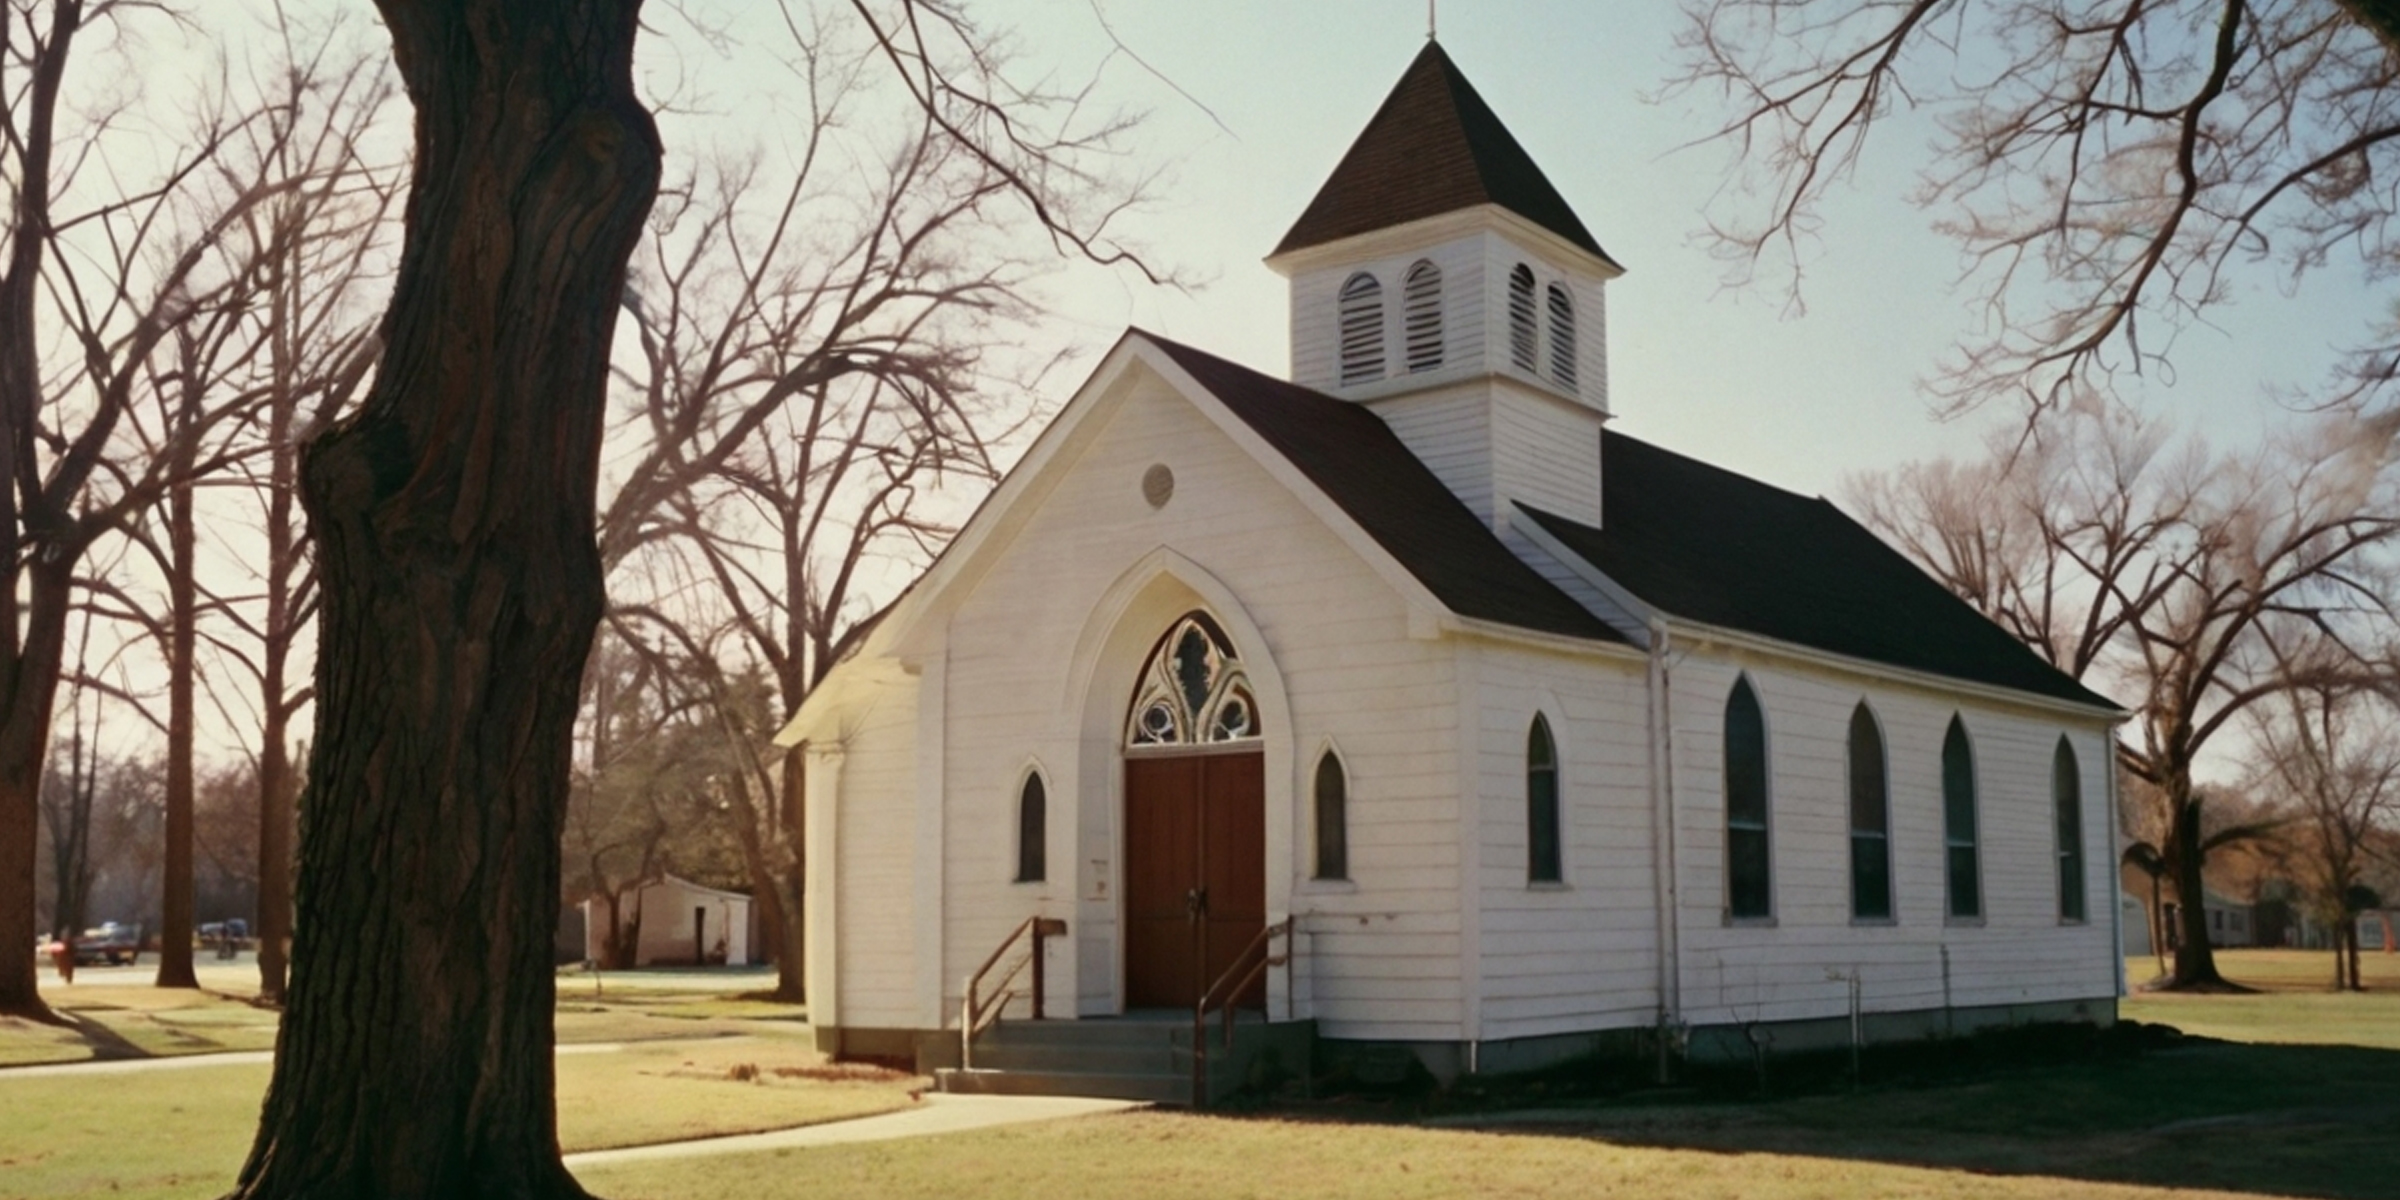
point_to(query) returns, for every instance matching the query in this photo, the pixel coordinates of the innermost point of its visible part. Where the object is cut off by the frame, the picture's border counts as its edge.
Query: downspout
(1662, 843)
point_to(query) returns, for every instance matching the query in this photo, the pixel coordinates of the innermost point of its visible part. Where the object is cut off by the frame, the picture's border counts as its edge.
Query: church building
(1406, 705)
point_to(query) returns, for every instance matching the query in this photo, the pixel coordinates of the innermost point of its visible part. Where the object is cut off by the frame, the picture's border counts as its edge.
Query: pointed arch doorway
(1195, 818)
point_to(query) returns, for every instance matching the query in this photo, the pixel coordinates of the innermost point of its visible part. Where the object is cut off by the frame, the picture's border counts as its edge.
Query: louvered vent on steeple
(1421, 312)
(1362, 330)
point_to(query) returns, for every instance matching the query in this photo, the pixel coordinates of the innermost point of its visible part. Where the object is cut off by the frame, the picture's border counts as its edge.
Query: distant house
(2230, 921)
(682, 923)
(2379, 929)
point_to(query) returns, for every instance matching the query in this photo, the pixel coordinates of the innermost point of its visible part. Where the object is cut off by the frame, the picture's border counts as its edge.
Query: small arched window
(1749, 882)
(1542, 863)
(1421, 316)
(1033, 826)
(1870, 821)
(1958, 822)
(1521, 343)
(2066, 795)
(1333, 819)
(1362, 330)
(1562, 336)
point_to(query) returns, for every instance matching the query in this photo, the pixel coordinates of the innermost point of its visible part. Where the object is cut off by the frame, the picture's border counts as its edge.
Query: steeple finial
(1432, 24)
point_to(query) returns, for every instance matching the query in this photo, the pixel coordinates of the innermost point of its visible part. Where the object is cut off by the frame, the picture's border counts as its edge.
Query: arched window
(1421, 316)
(2066, 795)
(1749, 885)
(1520, 318)
(1958, 821)
(1541, 805)
(1033, 823)
(1362, 330)
(1192, 689)
(1333, 819)
(1870, 821)
(1562, 336)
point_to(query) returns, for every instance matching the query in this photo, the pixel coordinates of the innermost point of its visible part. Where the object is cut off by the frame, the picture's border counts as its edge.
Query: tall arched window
(1749, 886)
(1421, 316)
(1562, 336)
(1870, 821)
(1192, 689)
(2066, 795)
(1958, 822)
(1333, 819)
(1542, 863)
(1520, 318)
(1362, 330)
(1033, 825)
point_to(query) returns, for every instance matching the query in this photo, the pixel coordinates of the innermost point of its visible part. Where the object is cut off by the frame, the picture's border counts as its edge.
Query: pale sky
(1724, 375)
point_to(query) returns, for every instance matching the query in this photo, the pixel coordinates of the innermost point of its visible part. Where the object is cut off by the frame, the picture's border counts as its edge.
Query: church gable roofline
(1433, 147)
(1714, 547)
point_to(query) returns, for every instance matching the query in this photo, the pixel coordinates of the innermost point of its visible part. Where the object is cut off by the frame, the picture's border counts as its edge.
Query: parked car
(114, 943)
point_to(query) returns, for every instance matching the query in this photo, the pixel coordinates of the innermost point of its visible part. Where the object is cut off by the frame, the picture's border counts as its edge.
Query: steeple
(1434, 147)
(1441, 280)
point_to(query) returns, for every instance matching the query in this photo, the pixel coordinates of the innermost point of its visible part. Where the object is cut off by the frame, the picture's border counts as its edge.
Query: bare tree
(2182, 579)
(2105, 165)
(2332, 753)
(112, 242)
(645, 803)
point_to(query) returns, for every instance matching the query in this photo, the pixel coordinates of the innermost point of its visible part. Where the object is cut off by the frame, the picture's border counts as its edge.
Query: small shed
(683, 924)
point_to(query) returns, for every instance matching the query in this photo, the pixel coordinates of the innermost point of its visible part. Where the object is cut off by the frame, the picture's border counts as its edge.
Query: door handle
(1195, 902)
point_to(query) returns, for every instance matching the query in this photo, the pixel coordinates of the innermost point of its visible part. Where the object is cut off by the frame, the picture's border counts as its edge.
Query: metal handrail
(1241, 977)
(976, 1012)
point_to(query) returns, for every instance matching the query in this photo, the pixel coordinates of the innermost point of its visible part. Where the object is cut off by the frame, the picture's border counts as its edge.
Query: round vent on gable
(1158, 485)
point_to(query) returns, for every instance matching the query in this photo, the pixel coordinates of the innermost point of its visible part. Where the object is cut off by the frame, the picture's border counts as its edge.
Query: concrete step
(1156, 1056)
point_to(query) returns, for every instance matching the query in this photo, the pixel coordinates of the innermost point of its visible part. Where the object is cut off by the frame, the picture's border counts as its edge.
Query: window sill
(1963, 922)
(1548, 885)
(1328, 887)
(1874, 922)
(1733, 922)
(2073, 921)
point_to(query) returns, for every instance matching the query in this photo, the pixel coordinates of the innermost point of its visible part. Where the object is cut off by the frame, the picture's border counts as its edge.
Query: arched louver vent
(1520, 317)
(1562, 336)
(1362, 330)
(1421, 316)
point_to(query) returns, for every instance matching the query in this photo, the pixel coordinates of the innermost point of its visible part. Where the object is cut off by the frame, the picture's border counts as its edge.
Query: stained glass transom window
(1192, 690)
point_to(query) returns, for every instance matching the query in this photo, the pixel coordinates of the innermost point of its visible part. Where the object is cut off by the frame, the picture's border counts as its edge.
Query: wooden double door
(1195, 873)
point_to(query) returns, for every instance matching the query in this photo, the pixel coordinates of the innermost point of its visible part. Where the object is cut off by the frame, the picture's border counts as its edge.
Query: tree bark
(175, 908)
(453, 517)
(791, 886)
(2195, 959)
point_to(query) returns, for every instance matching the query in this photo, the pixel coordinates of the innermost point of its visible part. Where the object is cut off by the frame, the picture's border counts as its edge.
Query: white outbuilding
(1512, 737)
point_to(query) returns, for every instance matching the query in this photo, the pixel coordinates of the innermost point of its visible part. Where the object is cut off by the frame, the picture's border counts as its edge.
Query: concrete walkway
(936, 1113)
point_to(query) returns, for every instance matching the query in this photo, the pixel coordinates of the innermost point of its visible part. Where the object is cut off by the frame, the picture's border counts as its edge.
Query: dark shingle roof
(1434, 147)
(1361, 465)
(1708, 545)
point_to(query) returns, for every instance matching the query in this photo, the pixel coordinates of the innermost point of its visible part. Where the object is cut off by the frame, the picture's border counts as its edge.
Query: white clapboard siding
(2018, 952)
(1546, 453)
(876, 834)
(1357, 681)
(1584, 955)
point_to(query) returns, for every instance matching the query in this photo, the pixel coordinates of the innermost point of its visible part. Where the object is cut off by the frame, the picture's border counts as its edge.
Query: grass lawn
(183, 1133)
(2300, 1098)
(2292, 1004)
(118, 1014)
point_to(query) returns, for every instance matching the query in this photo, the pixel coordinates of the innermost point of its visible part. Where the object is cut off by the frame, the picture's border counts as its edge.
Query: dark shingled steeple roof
(1434, 147)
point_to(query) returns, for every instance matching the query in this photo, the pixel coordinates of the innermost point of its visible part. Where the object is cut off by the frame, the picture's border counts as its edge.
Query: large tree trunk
(2195, 960)
(453, 519)
(28, 689)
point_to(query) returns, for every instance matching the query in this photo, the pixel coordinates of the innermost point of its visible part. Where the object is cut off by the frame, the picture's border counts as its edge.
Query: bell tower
(1440, 279)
